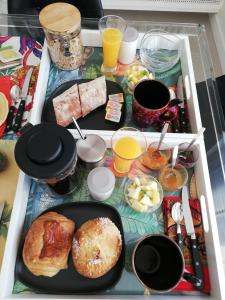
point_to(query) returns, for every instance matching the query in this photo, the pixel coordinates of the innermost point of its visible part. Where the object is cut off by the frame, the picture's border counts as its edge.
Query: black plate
(69, 281)
(96, 119)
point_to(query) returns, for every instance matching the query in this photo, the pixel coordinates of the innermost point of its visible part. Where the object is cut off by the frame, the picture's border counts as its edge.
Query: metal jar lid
(92, 149)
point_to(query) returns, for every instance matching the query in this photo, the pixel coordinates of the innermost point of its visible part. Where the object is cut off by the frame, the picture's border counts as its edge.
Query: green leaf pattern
(4, 222)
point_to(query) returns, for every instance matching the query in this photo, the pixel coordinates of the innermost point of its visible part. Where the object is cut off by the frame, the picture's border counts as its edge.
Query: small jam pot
(91, 150)
(62, 26)
(101, 183)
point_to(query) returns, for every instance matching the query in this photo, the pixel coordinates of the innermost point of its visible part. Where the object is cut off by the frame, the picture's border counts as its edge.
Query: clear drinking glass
(112, 29)
(128, 144)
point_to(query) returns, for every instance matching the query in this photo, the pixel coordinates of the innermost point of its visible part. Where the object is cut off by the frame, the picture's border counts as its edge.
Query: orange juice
(126, 149)
(111, 40)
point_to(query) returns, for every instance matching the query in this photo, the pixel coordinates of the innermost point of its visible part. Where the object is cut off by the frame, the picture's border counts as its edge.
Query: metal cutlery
(24, 94)
(177, 216)
(162, 136)
(174, 156)
(15, 93)
(193, 242)
(180, 95)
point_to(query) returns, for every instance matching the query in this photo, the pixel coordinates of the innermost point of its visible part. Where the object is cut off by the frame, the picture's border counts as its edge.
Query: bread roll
(47, 244)
(96, 247)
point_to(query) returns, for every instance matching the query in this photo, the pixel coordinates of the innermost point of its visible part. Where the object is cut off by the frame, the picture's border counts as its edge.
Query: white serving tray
(92, 38)
(209, 222)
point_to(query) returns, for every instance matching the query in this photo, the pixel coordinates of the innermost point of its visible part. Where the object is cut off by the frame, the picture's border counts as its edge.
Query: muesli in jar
(62, 26)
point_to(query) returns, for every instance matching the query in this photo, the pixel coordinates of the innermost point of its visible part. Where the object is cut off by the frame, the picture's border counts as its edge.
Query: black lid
(45, 151)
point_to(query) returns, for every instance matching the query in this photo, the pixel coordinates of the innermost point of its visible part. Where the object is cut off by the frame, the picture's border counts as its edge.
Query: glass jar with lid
(62, 26)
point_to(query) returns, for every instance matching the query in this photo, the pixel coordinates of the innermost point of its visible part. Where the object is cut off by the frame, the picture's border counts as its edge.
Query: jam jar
(61, 23)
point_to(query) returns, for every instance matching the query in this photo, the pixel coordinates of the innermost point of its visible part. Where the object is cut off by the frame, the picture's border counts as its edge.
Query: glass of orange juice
(112, 29)
(128, 144)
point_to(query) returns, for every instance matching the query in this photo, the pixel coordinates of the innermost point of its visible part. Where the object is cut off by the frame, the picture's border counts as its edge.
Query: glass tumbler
(127, 144)
(173, 178)
(112, 29)
(187, 157)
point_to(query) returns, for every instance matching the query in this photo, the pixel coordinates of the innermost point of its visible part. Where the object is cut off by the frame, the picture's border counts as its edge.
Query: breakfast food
(92, 94)
(143, 193)
(79, 100)
(96, 247)
(47, 244)
(135, 74)
(67, 105)
(155, 159)
(113, 107)
(173, 178)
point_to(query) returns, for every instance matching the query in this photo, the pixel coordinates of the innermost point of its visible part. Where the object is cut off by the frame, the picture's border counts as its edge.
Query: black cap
(46, 151)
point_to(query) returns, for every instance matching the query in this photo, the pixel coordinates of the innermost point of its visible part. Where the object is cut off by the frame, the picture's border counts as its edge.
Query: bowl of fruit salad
(143, 193)
(135, 74)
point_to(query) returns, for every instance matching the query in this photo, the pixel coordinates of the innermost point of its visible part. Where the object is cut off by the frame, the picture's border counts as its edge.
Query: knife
(174, 122)
(191, 233)
(24, 93)
(180, 95)
(1, 209)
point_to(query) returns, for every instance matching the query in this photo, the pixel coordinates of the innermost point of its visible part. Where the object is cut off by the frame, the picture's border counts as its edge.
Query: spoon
(201, 131)
(177, 215)
(78, 129)
(15, 93)
(162, 136)
(174, 156)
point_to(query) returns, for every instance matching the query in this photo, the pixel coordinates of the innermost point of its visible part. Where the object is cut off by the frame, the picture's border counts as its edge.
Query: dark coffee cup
(158, 263)
(152, 103)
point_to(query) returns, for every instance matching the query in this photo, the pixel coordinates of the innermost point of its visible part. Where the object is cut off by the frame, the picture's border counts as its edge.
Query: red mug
(152, 103)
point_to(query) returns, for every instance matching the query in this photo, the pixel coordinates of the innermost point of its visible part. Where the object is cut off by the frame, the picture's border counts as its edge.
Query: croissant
(47, 244)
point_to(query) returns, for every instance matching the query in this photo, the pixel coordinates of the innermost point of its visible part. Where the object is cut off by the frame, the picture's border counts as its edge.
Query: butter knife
(193, 242)
(24, 94)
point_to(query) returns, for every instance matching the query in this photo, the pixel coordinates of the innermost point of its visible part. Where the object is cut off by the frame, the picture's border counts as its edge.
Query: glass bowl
(173, 179)
(145, 197)
(187, 158)
(134, 74)
(159, 50)
(155, 159)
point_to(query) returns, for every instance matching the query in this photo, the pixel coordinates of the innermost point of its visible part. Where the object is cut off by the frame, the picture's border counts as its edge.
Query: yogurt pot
(101, 183)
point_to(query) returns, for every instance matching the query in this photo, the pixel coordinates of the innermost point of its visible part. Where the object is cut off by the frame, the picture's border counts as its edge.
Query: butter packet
(113, 115)
(117, 97)
(113, 105)
(9, 55)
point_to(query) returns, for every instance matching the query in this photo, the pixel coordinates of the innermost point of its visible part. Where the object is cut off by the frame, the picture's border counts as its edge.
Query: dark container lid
(45, 151)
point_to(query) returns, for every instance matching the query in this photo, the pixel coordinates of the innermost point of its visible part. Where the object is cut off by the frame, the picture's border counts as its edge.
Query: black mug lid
(45, 151)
